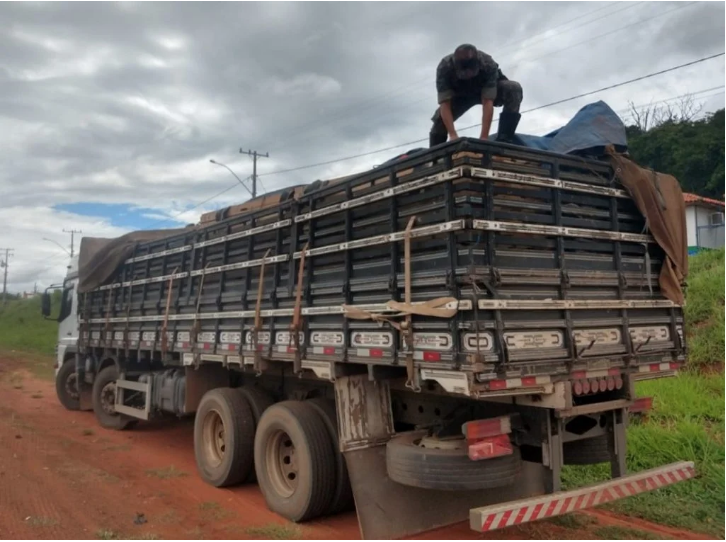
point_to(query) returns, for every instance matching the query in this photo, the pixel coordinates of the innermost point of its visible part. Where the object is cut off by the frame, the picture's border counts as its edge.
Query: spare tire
(411, 462)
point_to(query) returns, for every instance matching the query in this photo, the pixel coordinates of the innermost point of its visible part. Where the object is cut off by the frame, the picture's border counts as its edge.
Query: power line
(355, 108)
(558, 102)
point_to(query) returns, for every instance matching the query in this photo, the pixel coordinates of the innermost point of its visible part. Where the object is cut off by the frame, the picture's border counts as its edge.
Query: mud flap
(388, 510)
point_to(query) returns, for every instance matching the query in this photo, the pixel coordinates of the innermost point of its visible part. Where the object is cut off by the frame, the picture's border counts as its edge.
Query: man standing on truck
(467, 78)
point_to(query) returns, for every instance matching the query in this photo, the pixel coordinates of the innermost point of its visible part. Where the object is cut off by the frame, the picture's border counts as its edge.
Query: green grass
(107, 534)
(687, 423)
(166, 473)
(704, 309)
(22, 327)
(275, 531)
(573, 521)
(613, 532)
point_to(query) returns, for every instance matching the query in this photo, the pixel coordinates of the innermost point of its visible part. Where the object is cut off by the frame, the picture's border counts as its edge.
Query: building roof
(695, 199)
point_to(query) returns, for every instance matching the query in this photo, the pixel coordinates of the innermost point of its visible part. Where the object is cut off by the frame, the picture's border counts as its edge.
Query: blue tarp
(591, 129)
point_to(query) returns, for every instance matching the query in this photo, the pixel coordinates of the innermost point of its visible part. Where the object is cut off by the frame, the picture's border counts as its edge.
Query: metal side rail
(498, 516)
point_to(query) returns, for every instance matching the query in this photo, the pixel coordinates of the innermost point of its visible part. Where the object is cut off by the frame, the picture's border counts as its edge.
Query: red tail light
(642, 404)
(490, 447)
(480, 429)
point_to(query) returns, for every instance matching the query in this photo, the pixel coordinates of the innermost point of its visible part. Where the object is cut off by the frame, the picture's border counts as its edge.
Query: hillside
(22, 326)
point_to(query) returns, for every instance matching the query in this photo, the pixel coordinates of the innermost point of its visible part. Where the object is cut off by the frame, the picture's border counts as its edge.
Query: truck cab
(67, 344)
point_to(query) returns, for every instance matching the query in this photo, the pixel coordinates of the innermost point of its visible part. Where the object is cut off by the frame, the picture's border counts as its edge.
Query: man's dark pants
(509, 95)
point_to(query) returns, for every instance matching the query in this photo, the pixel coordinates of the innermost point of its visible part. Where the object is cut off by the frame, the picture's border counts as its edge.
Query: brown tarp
(98, 258)
(660, 199)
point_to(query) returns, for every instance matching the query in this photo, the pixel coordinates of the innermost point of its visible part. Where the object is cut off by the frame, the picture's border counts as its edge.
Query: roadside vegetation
(687, 420)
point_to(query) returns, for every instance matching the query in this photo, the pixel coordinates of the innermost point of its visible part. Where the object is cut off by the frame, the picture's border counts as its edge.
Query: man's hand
(448, 118)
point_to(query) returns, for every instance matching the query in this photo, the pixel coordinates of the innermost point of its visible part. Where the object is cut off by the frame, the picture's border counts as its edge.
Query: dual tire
(290, 448)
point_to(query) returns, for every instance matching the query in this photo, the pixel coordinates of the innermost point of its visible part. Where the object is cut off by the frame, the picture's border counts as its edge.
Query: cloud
(123, 104)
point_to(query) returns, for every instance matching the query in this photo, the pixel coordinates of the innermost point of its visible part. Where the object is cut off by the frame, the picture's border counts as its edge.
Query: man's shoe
(508, 122)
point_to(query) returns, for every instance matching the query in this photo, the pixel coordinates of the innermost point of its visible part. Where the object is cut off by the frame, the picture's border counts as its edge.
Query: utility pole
(254, 155)
(4, 263)
(72, 232)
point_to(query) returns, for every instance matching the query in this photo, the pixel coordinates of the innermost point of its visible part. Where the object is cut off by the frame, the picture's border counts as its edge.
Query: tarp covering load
(593, 128)
(660, 199)
(99, 258)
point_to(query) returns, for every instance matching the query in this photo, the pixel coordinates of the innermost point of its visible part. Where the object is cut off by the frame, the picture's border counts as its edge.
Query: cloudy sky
(111, 112)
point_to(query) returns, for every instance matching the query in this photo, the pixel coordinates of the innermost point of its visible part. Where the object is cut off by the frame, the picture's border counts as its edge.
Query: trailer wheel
(66, 386)
(586, 452)
(224, 429)
(103, 398)
(294, 461)
(343, 494)
(259, 401)
(411, 461)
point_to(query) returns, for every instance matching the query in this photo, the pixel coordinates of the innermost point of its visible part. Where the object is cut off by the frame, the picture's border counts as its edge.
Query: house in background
(704, 222)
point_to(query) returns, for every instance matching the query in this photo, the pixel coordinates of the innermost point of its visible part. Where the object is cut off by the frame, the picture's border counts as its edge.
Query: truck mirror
(45, 304)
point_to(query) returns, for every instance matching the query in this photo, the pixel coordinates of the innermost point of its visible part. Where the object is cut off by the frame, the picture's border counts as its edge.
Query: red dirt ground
(62, 476)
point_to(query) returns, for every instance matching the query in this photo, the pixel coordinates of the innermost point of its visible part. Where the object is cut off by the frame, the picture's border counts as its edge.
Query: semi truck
(427, 342)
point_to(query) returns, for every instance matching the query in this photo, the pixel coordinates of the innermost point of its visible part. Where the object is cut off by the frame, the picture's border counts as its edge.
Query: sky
(111, 112)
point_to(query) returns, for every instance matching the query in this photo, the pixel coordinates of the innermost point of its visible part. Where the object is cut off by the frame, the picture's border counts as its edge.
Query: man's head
(465, 61)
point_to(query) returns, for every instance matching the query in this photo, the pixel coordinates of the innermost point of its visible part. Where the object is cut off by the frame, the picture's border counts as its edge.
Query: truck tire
(294, 461)
(343, 494)
(586, 452)
(224, 428)
(259, 401)
(448, 469)
(103, 399)
(66, 386)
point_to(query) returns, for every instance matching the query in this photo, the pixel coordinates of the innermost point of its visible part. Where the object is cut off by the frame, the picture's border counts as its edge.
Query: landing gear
(103, 397)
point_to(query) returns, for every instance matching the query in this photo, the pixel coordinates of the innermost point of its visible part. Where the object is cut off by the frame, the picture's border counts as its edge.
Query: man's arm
(486, 118)
(448, 118)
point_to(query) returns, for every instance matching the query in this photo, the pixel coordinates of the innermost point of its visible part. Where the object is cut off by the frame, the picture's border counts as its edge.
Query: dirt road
(62, 476)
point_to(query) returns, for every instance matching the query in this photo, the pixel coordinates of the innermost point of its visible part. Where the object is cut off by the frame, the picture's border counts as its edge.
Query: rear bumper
(491, 518)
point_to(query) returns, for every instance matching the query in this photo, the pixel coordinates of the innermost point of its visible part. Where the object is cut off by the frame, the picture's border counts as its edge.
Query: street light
(233, 173)
(57, 243)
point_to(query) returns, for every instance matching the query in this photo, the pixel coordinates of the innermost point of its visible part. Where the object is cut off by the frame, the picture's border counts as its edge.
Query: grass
(704, 309)
(40, 521)
(22, 327)
(87, 432)
(276, 531)
(212, 510)
(36, 396)
(107, 534)
(166, 472)
(687, 420)
(573, 521)
(613, 532)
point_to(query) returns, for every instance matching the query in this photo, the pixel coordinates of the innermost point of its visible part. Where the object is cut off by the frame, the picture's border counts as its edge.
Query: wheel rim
(71, 386)
(215, 445)
(282, 464)
(108, 398)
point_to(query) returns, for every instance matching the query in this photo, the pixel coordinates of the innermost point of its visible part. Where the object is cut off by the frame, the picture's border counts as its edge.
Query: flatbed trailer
(467, 319)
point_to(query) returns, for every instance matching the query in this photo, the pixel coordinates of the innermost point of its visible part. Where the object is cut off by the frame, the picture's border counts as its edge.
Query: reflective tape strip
(382, 194)
(538, 229)
(322, 350)
(216, 241)
(548, 304)
(168, 252)
(383, 239)
(545, 182)
(655, 367)
(334, 309)
(490, 518)
(524, 382)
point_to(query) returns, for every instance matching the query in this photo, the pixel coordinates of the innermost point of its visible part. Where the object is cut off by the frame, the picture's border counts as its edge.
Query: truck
(427, 342)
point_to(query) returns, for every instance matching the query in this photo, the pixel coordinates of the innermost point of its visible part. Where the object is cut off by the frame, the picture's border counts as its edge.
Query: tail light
(641, 404)
(488, 438)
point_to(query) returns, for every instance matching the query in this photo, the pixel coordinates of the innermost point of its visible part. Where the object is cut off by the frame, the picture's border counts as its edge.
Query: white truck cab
(68, 327)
